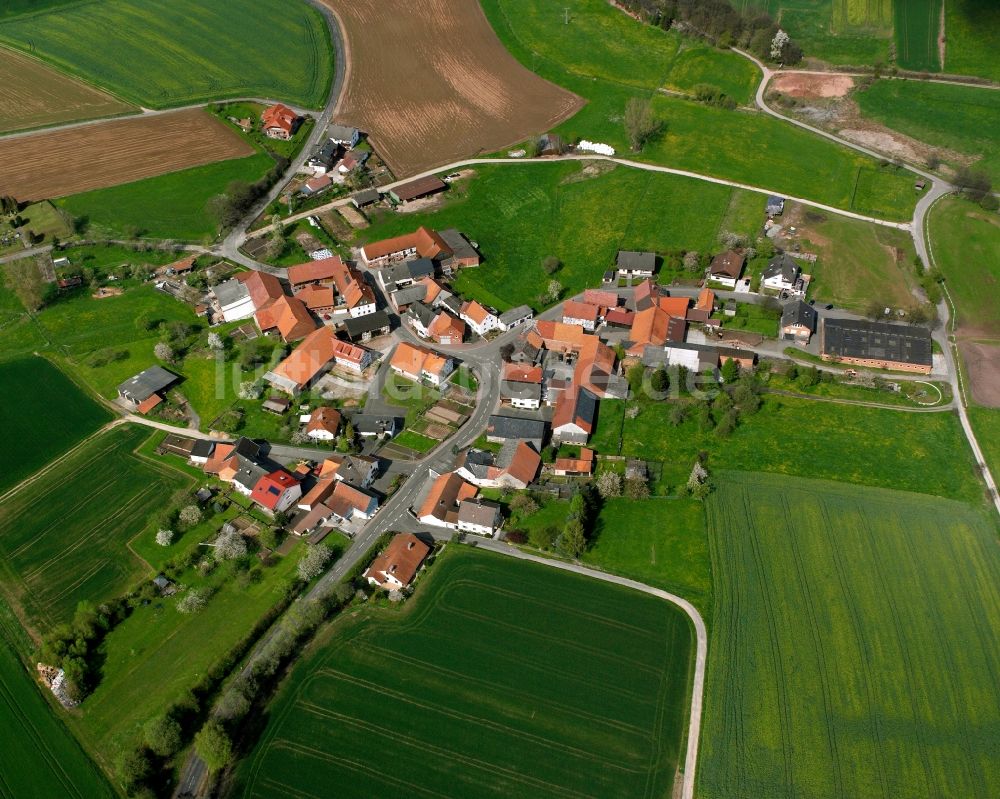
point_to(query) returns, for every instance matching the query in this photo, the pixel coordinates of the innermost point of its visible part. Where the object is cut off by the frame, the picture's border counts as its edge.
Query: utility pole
(566, 16)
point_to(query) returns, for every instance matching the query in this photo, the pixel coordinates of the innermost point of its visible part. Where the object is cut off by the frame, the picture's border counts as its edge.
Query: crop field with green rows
(853, 651)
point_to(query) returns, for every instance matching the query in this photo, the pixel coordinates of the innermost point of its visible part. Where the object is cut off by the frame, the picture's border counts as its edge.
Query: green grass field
(796, 437)
(189, 51)
(521, 215)
(56, 417)
(498, 678)
(957, 118)
(41, 759)
(64, 539)
(660, 542)
(853, 648)
(697, 137)
(171, 206)
(917, 26)
(965, 241)
(157, 656)
(973, 31)
(858, 262)
(986, 425)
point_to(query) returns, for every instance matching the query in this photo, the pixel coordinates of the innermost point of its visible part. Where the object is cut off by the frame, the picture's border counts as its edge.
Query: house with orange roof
(276, 491)
(559, 336)
(574, 417)
(706, 300)
(479, 318)
(522, 373)
(314, 272)
(446, 493)
(349, 503)
(288, 316)
(423, 242)
(279, 122)
(601, 298)
(515, 466)
(581, 313)
(446, 329)
(318, 299)
(575, 467)
(264, 288)
(311, 359)
(417, 363)
(323, 424)
(398, 564)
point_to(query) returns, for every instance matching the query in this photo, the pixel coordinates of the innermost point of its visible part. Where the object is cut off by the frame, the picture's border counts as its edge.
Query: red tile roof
(525, 463)
(324, 418)
(447, 491)
(413, 360)
(521, 373)
(279, 116)
(270, 488)
(401, 559)
(149, 403)
(289, 315)
(317, 298)
(580, 310)
(309, 358)
(315, 271)
(425, 241)
(706, 300)
(608, 299)
(264, 288)
(445, 326)
(476, 312)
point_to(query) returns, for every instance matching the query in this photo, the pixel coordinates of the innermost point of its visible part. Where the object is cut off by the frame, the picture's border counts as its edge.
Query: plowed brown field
(430, 83)
(48, 165)
(33, 95)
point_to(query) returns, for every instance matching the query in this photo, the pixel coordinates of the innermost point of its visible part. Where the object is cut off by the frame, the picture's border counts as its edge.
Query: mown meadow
(160, 55)
(853, 649)
(519, 679)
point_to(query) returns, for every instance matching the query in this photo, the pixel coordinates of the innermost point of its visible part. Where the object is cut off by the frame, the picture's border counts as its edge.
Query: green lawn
(41, 759)
(51, 417)
(704, 139)
(917, 26)
(171, 206)
(858, 262)
(416, 441)
(986, 425)
(853, 647)
(867, 446)
(965, 241)
(519, 215)
(499, 677)
(973, 31)
(157, 656)
(956, 118)
(188, 50)
(661, 542)
(63, 540)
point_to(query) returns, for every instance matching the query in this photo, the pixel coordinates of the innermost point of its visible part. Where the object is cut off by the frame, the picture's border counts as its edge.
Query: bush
(163, 736)
(193, 601)
(164, 537)
(213, 746)
(313, 562)
(517, 537)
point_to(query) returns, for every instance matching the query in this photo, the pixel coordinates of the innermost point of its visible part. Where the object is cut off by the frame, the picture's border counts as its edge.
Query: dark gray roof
(478, 462)
(516, 313)
(479, 511)
(784, 265)
(421, 312)
(341, 132)
(857, 338)
(413, 269)
(586, 406)
(231, 291)
(366, 197)
(248, 472)
(202, 448)
(369, 323)
(409, 294)
(247, 447)
(774, 199)
(515, 427)
(798, 313)
(376, 423)
(326, 153)
(628, 259)
(452, 303)
(146, 383)
(460, 246)
(510, 389)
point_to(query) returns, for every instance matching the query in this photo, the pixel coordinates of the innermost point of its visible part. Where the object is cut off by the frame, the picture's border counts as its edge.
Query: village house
(287, 316)
(279, 122)
(146, 390)
(323, 159)
(343, 135)
(583, 314)
(798, 321)
(320, 300)
(423, 243)
(234, 300)
(373, 425)
(775, 205)
(440, 506)
(479, 517)
(782, 276)
(323, 424)
(311, 359)
(420, 316)
(417, 363)
(396, 567)
(727, 268)
(276, 491)
(526, 396)
(352, 160)
(632, 264)
(515, 466)
(500, 428)
(367, 327)
(316, 185)
(582, 466)
(574, 417)
(358, 470)
(445, 329)
(479, 318)
(877, 345)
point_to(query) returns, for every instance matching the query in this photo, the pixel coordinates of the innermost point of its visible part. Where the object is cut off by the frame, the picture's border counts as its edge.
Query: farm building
(877, 345)
(583, 314)
(504, 428)
(365, 197)
(415, 189)
(775, 205)
(798, 321)
(423, 242)
(367, 327)
(514, 317)
(343, 135)
(582, 466)
(233, 298)
(515, 466)
(310, 360)
(279, 122)
(635, 264)
(463, 253)
(396, 567)
(144, 391)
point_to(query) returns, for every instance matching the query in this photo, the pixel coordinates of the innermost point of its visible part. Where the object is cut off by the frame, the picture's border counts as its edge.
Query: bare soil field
(33, 95)
(431, 83)
(982, 364)
(799, 84)
(63, 162)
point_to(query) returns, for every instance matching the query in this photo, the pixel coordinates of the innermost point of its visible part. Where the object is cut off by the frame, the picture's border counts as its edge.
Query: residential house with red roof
(276, 492)
(417, 363)
(583, 314)
(311, 359)
(279, 122)
(323, 424)
(398, 564)
(515, 466)
(446, 329)
(423, 242)
(481, 320)
(575, 415)
(288, 316)
(440, 506)
(575, 467)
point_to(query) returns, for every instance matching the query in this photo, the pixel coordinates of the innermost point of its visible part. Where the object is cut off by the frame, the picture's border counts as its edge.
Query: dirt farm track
(63, 162)
(430, 83)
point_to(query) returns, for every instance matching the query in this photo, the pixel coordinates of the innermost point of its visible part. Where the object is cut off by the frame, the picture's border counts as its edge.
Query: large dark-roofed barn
(877, 345)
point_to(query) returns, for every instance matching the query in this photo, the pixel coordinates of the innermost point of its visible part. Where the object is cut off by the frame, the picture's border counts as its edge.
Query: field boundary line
(701, 652)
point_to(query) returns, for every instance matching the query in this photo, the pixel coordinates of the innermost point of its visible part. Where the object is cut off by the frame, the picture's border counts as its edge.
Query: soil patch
(982, 365)
(801, 84)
